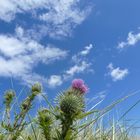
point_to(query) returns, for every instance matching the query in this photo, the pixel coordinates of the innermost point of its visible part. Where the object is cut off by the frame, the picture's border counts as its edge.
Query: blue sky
(54, 42)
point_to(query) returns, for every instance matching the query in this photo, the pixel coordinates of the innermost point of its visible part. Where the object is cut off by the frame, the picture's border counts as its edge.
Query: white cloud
(56, 17)
(117, 73)
(18, 57)
(19, 32)
(19, 54)
(86, 50)
(80, 65)
(78, 68)
(82, 54)
(9, 8)
(54, 80)
(132, 39)
(57, 80)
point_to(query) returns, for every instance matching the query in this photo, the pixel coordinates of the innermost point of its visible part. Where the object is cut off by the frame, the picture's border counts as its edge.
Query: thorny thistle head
(71, 104)
(36, 88)
(26, 104)
(9, 95)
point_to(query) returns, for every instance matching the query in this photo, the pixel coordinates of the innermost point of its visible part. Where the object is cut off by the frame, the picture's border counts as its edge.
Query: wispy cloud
(9, 8)
(131, 40)
(82, 54)
(57, 80)
(86, 50)
(80, 65)
(56, 18)
(54, 80)
(77, 68)
(117, 73)
(81, 62)
(19, 55)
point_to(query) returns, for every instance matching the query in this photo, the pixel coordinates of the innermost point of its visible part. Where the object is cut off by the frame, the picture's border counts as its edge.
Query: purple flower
(80, 85)
(77, 83)
(84, 88)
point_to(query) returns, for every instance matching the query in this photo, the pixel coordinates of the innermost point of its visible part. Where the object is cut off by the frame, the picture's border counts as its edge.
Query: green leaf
(83, 115)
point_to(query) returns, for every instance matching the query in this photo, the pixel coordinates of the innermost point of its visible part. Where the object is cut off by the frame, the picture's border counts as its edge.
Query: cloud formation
(80, 65)
(131, 40)
(54, 80)
(19, 55)
(86, 50)
(77, 68)
(117, 73)
(55, 18)
(82, 54)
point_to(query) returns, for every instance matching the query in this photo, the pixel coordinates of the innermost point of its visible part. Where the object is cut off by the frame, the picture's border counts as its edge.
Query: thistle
(25, 107)
(8, 98)
(36, 88)
(71, 104)
(45, 120)
(15, 128)
(79, 86)
(1, 136)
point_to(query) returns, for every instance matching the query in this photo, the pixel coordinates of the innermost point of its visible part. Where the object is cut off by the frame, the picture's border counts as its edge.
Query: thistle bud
(9, 95)
(26, 104)
(36, 88)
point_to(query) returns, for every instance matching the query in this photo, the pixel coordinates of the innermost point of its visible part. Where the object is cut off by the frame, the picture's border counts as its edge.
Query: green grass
(66, 120)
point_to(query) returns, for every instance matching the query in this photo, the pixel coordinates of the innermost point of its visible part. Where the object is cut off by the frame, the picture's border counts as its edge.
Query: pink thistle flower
(80, 85)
